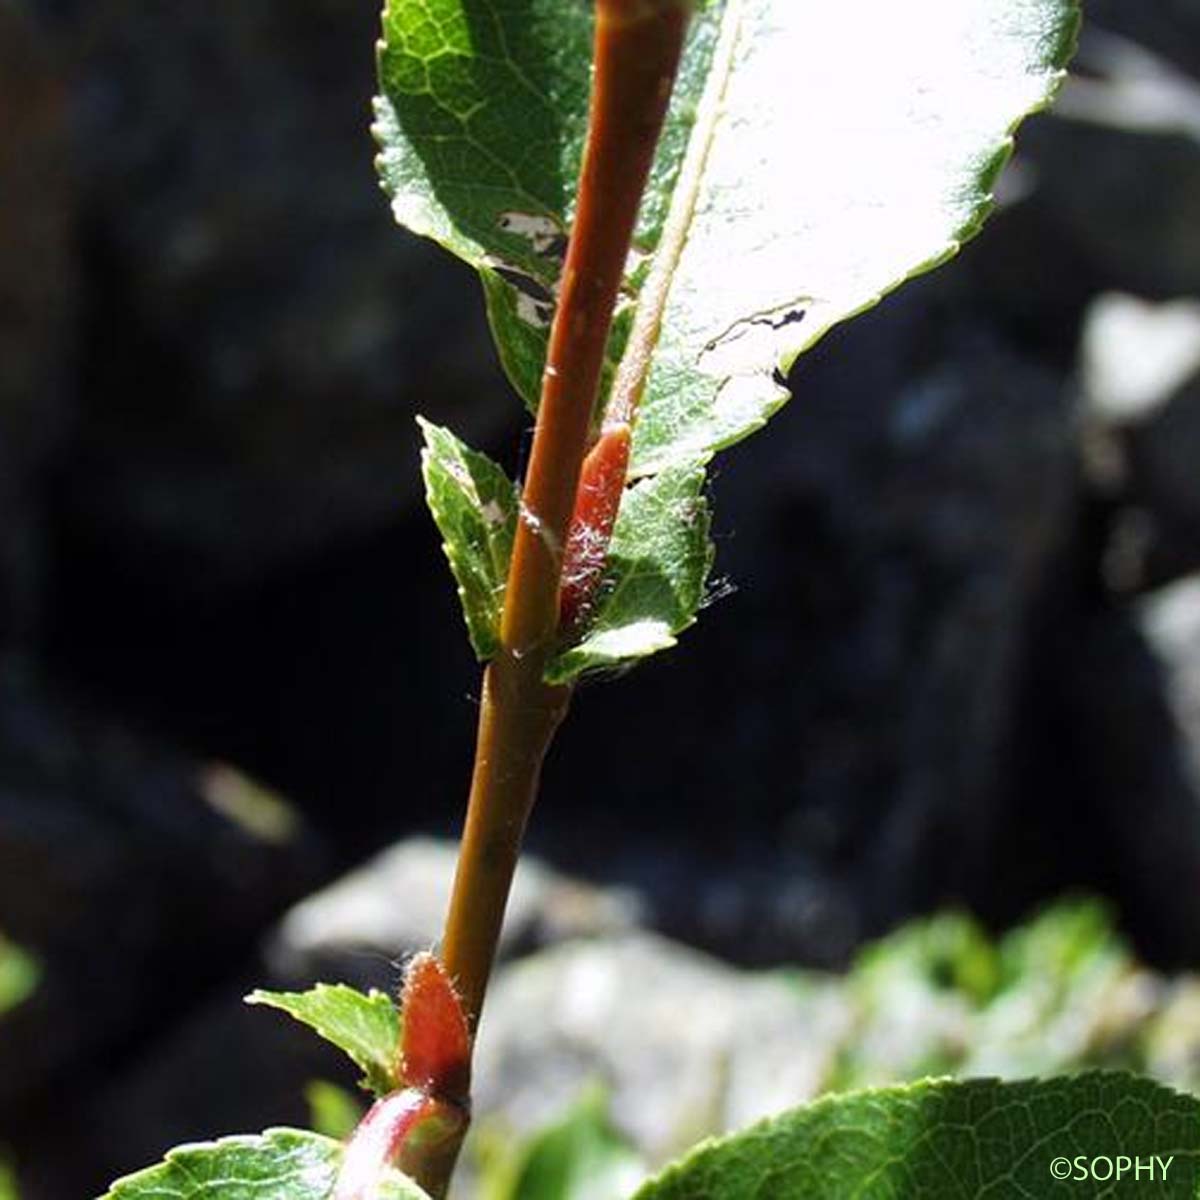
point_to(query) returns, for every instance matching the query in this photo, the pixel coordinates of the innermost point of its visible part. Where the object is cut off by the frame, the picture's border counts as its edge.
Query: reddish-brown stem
(518, 716)
(638, 43)
(637, 49)
(382, 1134)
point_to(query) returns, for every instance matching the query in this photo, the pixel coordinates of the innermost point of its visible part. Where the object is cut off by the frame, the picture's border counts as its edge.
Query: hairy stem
(637, 49)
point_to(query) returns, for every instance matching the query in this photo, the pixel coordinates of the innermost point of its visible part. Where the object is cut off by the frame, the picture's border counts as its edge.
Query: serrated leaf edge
(483, 629)
(931, 1085)
(380, 1077)
(232, 1141)
(772, 397)
(566, 665)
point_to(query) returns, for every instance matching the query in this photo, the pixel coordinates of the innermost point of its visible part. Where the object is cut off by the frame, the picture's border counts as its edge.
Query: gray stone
(1140, 374)
(359, 927)
(1135, 355)
(683, 1045)
(1170, 621)
(1173, 1041)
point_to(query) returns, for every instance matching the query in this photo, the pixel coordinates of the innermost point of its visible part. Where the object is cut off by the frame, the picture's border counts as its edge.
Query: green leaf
(577, 1158)
(654, 576)
(280, 1164)
(949, 951)
(332, 1110)
(19, 974)
(475, 507)
(957, 1141)
(366, 1027)
(8, 1182)
(815, 156)
(481, 122)
(853, 147)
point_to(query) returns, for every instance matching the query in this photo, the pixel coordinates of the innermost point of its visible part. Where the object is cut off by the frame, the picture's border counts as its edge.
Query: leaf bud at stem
(597, 500)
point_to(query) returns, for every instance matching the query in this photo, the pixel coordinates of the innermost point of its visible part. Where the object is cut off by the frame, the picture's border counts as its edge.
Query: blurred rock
(1140, 369)
(1173, 1041)
(128, 886)
(1117, 169)
(257, 333)
(257, 336)
(1133, 734)
(679, 1044)
(683, 1045)
(359, 927)
(1168, 27)
(928, 686)
(1135, 355)
(1164, 485)
(1170, 622)
(35, 300)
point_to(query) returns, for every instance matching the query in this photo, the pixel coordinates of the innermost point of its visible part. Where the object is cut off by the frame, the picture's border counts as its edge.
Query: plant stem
(637, 49)
(517, 720)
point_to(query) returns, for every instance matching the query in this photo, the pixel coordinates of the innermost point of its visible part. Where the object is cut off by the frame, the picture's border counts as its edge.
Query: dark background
(957, 658)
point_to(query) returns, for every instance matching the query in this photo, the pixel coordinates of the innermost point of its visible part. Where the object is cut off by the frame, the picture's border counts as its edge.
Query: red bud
(597, 499)
(435, 1045)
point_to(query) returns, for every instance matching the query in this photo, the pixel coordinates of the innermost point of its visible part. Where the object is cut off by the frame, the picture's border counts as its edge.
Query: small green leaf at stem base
(19, 974)
(475, 508)
(280, 1164)
(332, 1110)
(8, 1182)
(365, 1026)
